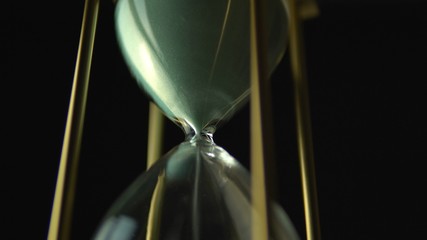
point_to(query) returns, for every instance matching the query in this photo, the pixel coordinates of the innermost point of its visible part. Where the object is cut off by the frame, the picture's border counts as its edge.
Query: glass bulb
(196, 191)
(192, 56)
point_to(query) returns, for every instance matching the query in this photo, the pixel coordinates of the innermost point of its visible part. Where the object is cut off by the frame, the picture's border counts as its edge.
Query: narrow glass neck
(200, 137)
(194, 134)
(205, 135)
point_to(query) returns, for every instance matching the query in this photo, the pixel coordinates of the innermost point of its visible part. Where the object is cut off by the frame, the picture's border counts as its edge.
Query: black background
(366, 68)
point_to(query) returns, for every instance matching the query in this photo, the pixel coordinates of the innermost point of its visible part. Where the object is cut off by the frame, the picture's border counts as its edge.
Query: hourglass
(191, 57)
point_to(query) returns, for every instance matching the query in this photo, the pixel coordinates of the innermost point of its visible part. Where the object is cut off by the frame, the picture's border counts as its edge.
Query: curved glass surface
(196, 191)
(192, 56)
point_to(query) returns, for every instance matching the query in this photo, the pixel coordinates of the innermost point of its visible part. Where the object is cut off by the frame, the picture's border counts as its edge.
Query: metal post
(155, 134)
(303, 124)
(261, 138)
(62, 210)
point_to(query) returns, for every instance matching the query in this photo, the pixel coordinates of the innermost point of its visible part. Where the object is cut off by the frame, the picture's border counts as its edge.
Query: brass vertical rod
(155, 134)
(260, 122)
(62, 210)
(303, 125)
(155, 212)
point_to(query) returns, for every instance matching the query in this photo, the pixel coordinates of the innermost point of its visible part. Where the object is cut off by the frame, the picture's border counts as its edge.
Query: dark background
(366, 67)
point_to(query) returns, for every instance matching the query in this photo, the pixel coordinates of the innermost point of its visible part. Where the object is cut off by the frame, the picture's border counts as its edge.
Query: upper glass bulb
(192, 56)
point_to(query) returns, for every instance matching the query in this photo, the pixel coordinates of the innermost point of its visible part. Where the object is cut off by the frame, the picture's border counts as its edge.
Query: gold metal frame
(303, 120)
(260, 121)
(155, 134)
(62, 210)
